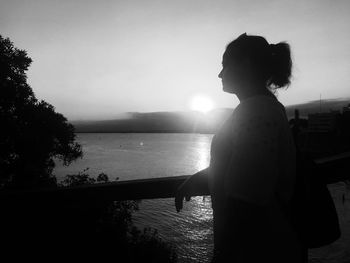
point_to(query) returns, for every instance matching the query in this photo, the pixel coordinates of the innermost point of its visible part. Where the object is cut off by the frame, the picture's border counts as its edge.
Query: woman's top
(253, 160)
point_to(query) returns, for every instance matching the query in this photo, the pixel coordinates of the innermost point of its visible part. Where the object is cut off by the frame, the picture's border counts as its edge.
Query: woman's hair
(272, 61)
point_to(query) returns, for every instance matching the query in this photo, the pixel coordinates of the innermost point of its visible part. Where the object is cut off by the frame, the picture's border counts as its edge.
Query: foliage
(116, 228)
(81, 178)
(32, 133)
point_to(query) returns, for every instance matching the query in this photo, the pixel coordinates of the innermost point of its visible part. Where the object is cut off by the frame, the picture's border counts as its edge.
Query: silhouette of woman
(252, 167)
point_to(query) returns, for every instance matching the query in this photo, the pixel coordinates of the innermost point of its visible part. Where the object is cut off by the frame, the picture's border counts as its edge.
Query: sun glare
(201, 103)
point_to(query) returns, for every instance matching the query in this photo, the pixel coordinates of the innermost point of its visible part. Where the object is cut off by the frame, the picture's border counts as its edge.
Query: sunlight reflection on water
(190, 230)
(122, 155)
(202, 161)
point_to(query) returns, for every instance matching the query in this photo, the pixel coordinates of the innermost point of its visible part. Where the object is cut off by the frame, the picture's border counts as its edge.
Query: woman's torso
(263, 119)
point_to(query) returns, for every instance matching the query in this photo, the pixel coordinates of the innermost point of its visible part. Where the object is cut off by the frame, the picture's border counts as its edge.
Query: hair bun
(281, 65)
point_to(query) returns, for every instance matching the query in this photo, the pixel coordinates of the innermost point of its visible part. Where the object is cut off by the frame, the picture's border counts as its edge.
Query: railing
(330, 169)
(152, 188)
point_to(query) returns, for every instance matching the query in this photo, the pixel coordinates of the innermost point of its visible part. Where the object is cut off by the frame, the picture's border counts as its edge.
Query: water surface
(137, 155)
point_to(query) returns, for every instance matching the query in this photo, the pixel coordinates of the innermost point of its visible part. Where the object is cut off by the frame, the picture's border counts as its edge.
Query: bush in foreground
(116, 229)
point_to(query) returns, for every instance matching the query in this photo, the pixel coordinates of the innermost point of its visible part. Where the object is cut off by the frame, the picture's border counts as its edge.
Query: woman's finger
(179, 201)
(180, 195)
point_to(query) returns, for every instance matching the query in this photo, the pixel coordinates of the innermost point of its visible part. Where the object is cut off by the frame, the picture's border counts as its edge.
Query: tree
(32, 133)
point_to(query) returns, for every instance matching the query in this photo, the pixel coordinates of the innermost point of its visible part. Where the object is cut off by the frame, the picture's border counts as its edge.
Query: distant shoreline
(167, 132)
(190, 122)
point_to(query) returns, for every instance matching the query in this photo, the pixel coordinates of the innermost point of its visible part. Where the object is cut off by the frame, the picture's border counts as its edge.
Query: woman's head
(250, 62)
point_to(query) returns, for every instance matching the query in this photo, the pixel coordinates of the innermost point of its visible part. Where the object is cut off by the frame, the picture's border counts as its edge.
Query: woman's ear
(250, 69)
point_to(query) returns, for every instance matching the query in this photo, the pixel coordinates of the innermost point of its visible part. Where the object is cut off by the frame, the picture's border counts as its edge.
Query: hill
(188, 121)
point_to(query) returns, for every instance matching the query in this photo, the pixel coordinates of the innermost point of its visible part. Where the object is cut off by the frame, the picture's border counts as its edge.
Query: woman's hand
(183, 192)
(186, 188)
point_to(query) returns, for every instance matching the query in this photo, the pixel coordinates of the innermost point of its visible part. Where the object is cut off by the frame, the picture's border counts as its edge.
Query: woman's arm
(185, 190)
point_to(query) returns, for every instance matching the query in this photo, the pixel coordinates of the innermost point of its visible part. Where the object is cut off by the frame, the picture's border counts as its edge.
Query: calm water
(141, 155)
(134, 156)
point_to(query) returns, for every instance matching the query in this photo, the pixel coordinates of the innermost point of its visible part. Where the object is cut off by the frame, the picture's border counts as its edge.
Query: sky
(97, 59)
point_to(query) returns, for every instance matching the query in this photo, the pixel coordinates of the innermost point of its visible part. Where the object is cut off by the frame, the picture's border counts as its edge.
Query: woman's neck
(248, 93)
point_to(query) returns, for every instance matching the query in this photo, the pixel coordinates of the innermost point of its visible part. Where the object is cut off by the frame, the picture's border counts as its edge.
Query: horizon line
(191, 111)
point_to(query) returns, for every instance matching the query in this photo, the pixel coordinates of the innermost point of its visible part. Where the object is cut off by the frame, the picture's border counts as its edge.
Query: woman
(252, 167)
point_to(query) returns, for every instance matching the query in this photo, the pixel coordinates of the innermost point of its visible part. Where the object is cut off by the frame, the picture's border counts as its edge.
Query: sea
(130, 156)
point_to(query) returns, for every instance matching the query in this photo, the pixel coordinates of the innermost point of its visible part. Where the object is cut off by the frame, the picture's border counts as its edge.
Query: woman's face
(232, 77)
(227, 80)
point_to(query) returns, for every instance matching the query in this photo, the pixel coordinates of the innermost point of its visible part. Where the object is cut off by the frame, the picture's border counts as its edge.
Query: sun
(201, 103)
